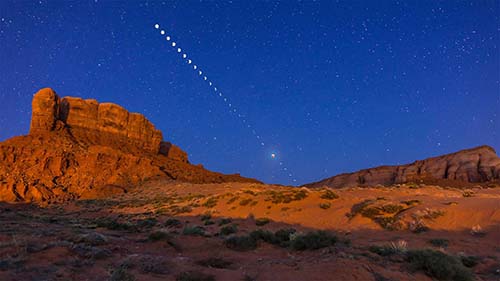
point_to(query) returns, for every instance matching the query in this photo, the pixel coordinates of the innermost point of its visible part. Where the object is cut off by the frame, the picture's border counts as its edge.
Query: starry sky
(327, 86)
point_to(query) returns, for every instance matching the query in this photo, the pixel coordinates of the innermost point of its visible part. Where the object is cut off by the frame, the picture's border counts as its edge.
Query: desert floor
(165, 230)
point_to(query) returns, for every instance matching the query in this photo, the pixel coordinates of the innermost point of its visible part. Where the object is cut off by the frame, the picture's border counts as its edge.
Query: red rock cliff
(84, 149)
(476, 165)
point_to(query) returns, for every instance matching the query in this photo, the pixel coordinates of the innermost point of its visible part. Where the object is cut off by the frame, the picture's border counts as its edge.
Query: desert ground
(167, 230)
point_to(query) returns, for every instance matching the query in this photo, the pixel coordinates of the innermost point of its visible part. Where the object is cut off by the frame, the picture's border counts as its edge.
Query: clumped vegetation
(159, 235)
(112, 224)
(210, 203)
(193, 230)
(228, 229)
(329, 195)
(325, 206)
(438, 265)
(245, 202)
(313, 241)
(285, 197)
(285, 238)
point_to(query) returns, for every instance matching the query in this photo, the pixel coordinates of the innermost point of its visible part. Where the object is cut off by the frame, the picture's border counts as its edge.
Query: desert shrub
(241, 243)
(325, 206)
(193, 230)
(264, 235)
(174, 209)
(282, 236)
(412, 202)
(224, 221)
(249, 192)
(301, 194)
(313, 240)
(147, 223)
(469, 261)
(194, 276)
(115, 225)
(262, 221)
(208, 222)
(210, 203)
(389, 223)
(384, 250)
(121, 274)
(173, 222)
(245, 202)
(229, 229)
(438, 242)
(468, 193)
(329, 195)
(399, 247)
(371, 212)
(391, 208)
(214, 262)
(231, 201)
(438, 265)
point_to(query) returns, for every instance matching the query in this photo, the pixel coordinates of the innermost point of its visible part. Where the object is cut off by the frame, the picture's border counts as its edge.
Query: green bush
(193, 230)
(229, 229)
(241, 243)
(225, 221)
(439, 265)
(469, 261)
(264, 235)
(313, 241)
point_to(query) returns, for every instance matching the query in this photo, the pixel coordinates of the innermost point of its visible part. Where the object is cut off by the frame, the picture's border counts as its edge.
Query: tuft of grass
(121, 274)
(438, 242)
(439, 265)
(194, 276)
(313, 240)
(215, 262)
(231, 201)
(325, 206)
(228, 229)
(262, 221)
(193, 230)
(329, 195)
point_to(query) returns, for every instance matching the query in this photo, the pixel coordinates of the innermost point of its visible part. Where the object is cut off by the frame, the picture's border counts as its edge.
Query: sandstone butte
(80, 148)
(479, 165)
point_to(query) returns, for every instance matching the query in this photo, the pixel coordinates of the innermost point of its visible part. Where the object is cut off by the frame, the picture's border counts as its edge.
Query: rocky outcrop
(84, 149)
(476, 165)
(97, 123)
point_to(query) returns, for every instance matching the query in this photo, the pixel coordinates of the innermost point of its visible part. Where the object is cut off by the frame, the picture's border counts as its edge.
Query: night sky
(329, 87)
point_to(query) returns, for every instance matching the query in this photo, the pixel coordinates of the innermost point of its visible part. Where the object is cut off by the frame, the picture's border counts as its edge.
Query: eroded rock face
(84, 149)
(98, 123)
(476, 165)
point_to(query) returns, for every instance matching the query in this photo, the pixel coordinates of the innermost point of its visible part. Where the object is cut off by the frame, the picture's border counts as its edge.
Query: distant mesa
(80, 148)
(460, 169)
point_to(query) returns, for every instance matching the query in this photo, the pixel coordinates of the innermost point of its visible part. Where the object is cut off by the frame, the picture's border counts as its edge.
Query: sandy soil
(134, 237)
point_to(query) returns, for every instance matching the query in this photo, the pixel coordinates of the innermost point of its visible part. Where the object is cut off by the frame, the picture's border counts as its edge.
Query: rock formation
(80, 148)
(476, 165)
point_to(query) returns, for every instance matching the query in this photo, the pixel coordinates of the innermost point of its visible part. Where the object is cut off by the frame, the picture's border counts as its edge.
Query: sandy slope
(70, 242)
